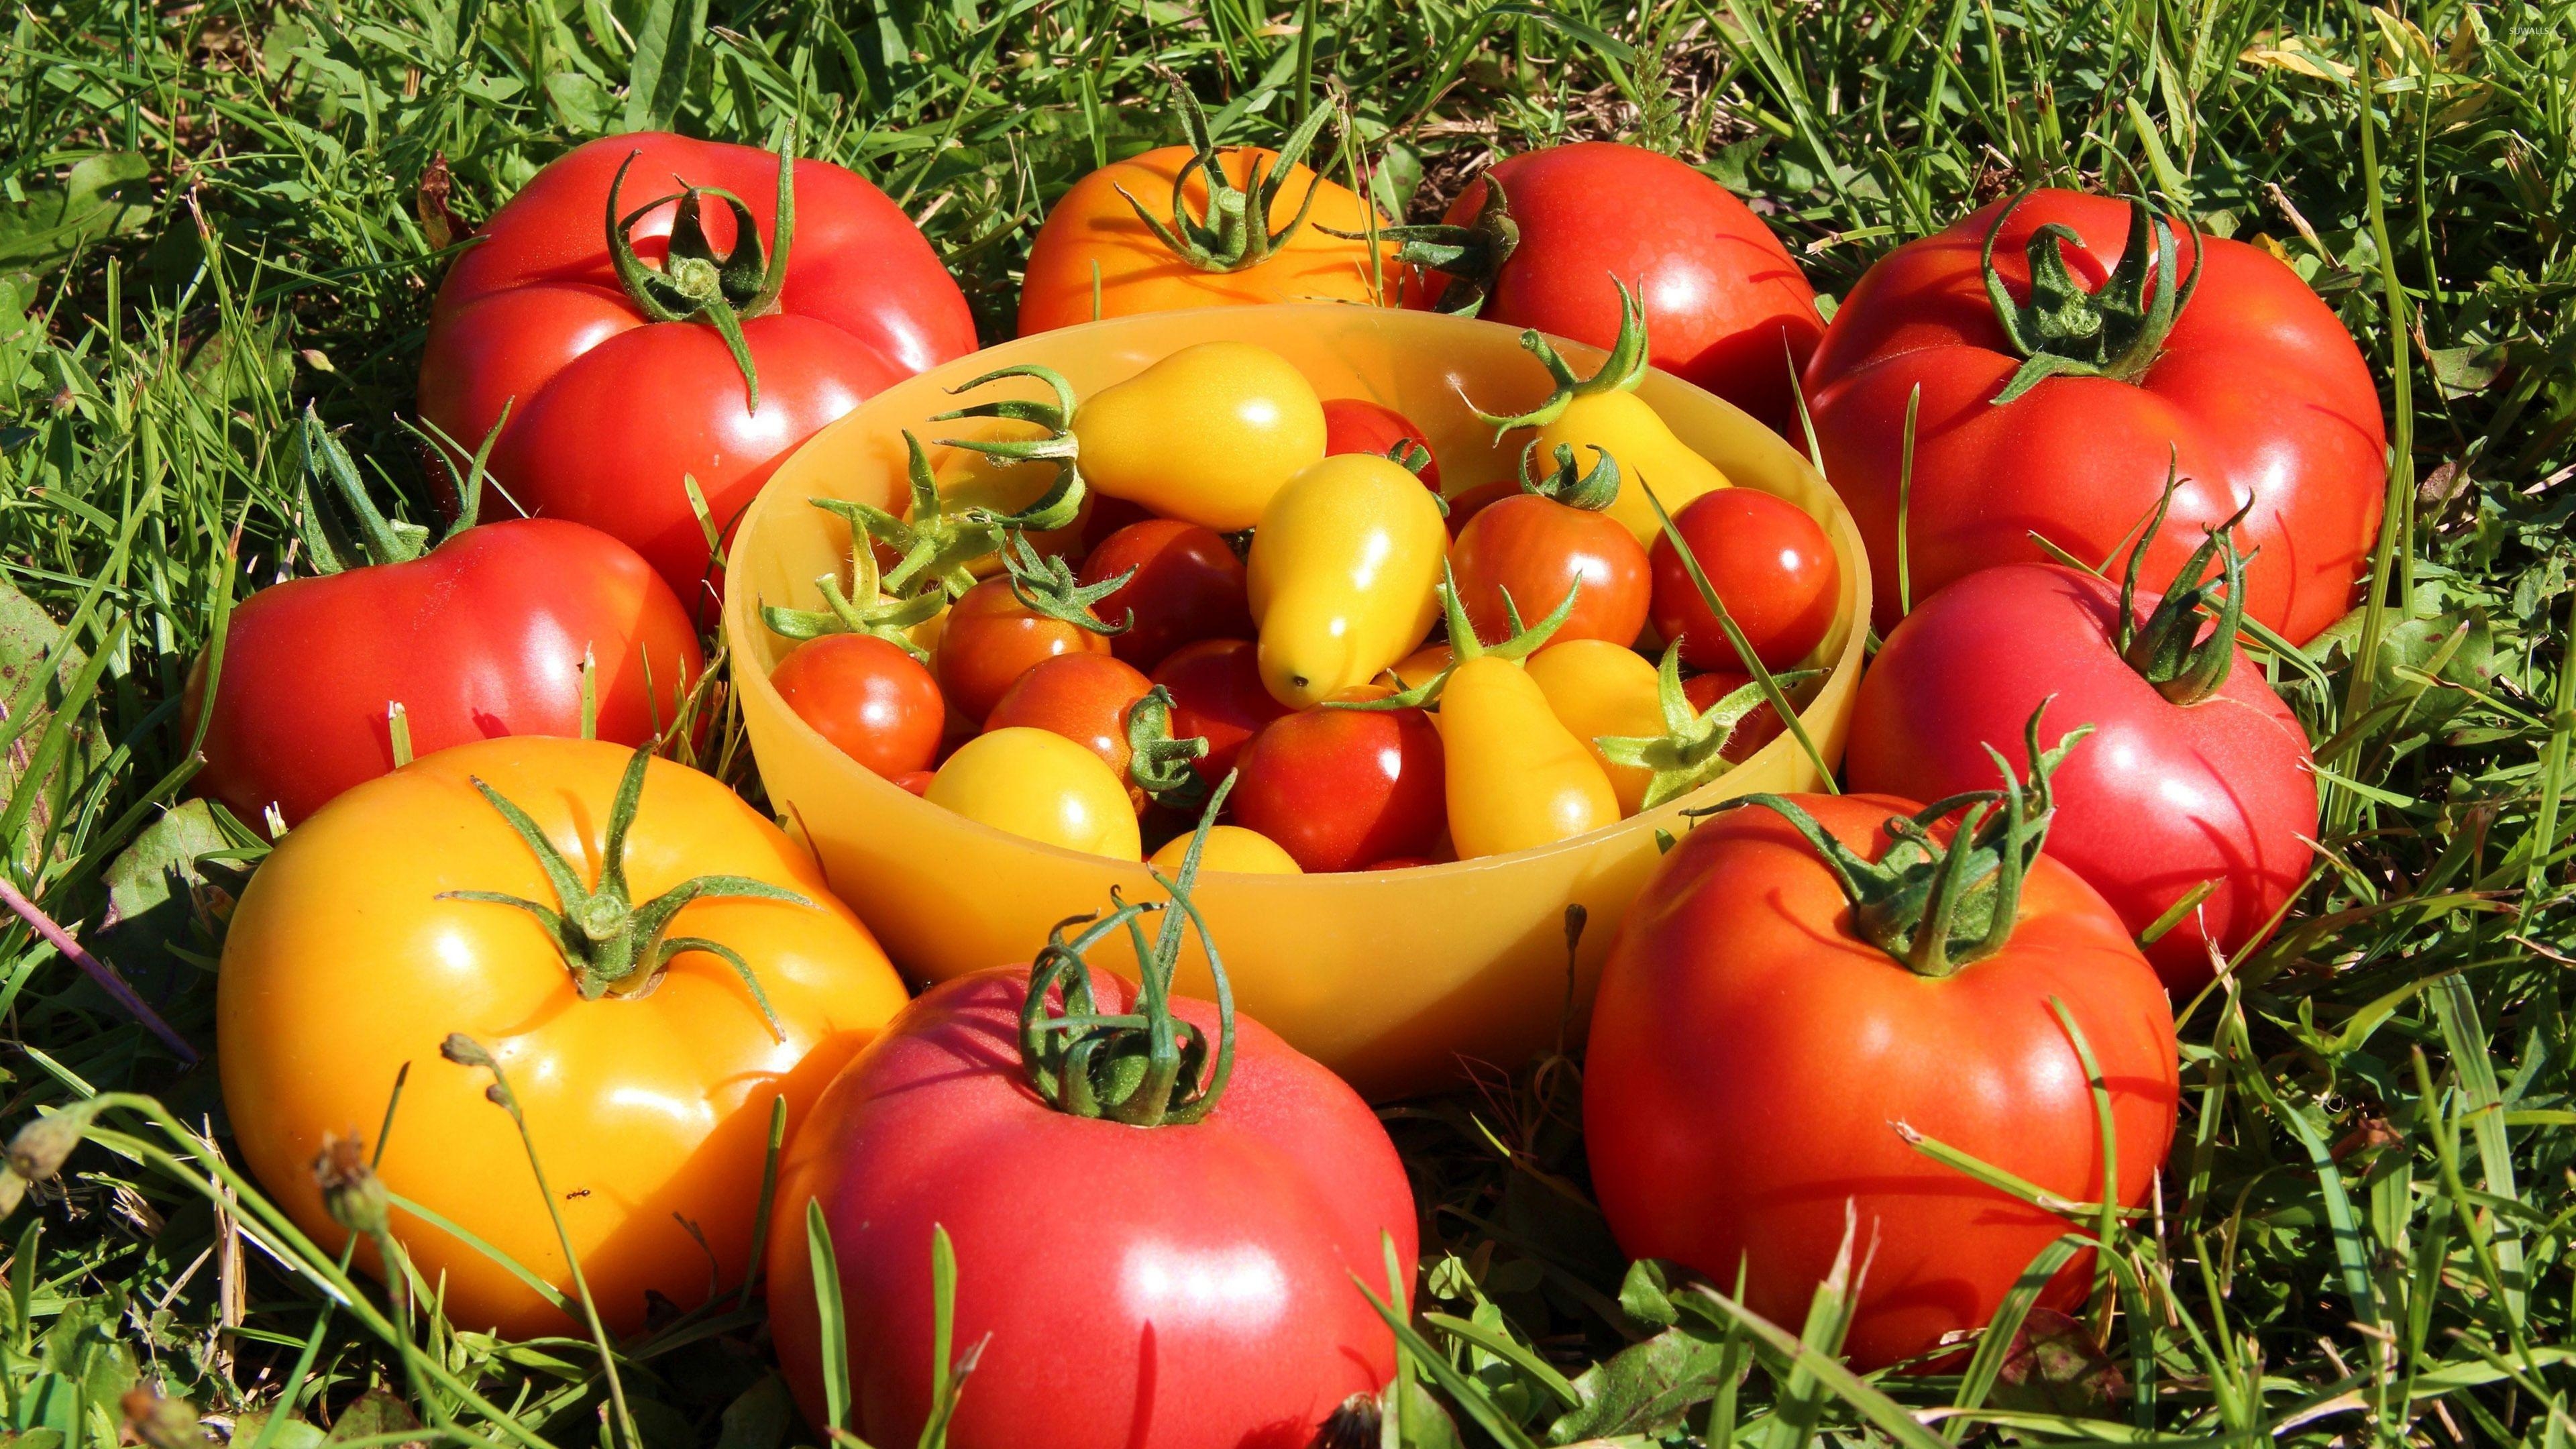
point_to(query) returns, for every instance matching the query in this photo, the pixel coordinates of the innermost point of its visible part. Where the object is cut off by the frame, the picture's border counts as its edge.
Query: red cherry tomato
(1537, 549)
(2258, 393)
(1770, 564)
(1218, 696)
(876, 703)
(1202, 1295)
(1103, 515)
(1083, 697)
(1726, 307)
(2162, 798)
(1188, 586)
(991, 639)
(1464, 508)
(1753, 731)
(608, 412)
(917, 781)
(1356, 425)
(484, 635)
(1752, 1056)
(1341, 789)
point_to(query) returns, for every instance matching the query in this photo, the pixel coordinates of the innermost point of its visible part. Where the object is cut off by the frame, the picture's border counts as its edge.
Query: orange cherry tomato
(990, 639)
(1537, 549)
(878, 704)
(1083, 697)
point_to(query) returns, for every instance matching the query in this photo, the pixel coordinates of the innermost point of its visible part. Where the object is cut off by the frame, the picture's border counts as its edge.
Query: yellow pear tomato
(1343, 574)
(1039, 785)
(1599, 690)
(1516, 777)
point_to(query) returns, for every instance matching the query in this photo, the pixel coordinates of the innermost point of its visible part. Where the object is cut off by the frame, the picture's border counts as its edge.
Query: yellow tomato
(1206, 435)
(1625, 426)
(1423, 665)
(1598, 690)
(1229, 847)
(1038, 784)
(648, 1096)
(1516, 778)
(1342, 575)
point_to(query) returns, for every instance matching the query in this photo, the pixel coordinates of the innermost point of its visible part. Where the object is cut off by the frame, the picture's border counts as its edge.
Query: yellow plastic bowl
(1399, 980)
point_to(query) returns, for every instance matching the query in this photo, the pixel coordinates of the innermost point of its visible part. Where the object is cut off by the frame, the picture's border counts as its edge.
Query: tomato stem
(1471, 256)
(1061, 503)
(1234, 232)
(1570, 485)
(1160, 763)
(696, 284)
(1045, 584)
(884, 616)
(2168, 651)
(1524, 641)
(1621, 369)
(2116, 331)
(1692, 749)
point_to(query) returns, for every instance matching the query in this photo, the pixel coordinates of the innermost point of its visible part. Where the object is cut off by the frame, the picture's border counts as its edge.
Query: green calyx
(1046, 584)
(931, 544)
(1062, 502)
(2168, 651)
(1160, 764)
(1936, 907)
(1524, 641)
(1471, 256)
(1235, 232)
(610, 944)
(1620, 370)
(695, 284)
(1144, 1067)
(357, 533)
(2066, 329)
(865, 607)
(1692, 749)
(1570, 485)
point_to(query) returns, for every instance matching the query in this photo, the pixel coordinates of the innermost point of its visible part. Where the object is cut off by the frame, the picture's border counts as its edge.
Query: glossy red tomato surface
(1536, 550)
(1168, 1287)
(1726, 307)
(1083, 697)
(873, 701)
(1218, 696)
(481, 637)
(1752, 1057)
(608, 412)
(1770, 564)
(990, 639)
(1356, 425)
(2258, 394)
(1188, 586)
(2162, 798)
(1341, 789)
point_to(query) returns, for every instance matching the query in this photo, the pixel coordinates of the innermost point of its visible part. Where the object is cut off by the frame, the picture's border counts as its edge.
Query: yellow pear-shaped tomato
(645, 1063)
(1229, 848)
(1342, 575)
(1206, 435)
(1516, 778)
(1600, 690)
(1629, 429)
(1038, 784)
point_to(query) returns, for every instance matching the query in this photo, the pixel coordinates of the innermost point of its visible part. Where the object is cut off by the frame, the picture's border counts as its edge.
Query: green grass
(216, 212)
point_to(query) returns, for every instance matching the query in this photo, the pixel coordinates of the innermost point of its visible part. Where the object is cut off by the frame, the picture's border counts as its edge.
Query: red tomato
(991, 639)
(1356, 425)
(2257, 393)
(1341, 789)
(610, 411)
(1103, 515)
(917, 781)
(2164, 796)
(1726, 307)
(875, 703)
(1770, 564)
(1202, 1298)
(1083, 697)
(1752, 1056)
(481, 637)
(1218, 696)
(1188, 586)
(1537, 549)
(1751, 732)
(1464, 508)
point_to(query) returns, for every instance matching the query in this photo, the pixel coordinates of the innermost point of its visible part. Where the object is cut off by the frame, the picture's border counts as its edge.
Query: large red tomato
(2256, 393)
(610, 411)
(1754, 1058)
(480, 637)
(1146, 1277)
(1726, 307)
(2214, 786)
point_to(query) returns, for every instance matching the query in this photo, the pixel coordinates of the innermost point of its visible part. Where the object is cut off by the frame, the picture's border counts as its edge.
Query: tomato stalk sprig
(1621, 369)
(1159, 762)
(1590, 489)
(609, 943)
(931, 543)
(1692, 749)
(1936, 907)
(2168, 650)
(1234, 233)
(1045, 584)
(1062, 502)
(886, 616)
(1144, 1067)
(1524, 641)
(694, 283)
(1472, 256)
(2067, 329)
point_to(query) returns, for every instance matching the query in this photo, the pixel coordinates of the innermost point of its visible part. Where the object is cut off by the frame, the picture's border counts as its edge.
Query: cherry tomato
(873, 701)
(1600, 691)
(1464, 508)
(917, 781)
(1537, 550)
(1188, 586)
(1517, 778)
(1770, 564)
(1228, 848)
(1217, 696)
(1341, 788)
(1038, 784)
(1083, 697)
(1205, 435)
(1342, 576)
(989, 639)
(1356, 425)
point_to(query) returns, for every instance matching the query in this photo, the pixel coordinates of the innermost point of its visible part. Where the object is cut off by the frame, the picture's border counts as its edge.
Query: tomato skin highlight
(1083, 697)
(1040, 786)
(655, 1103)
(481, 636)
(2259, 393)
(2162, 797)
(1749, 1052)
(1188, 586)
(1218, 696)
(1356, 425)
(1536, 550)
(1772, 567)
(875, 703)
(1340, 789)
(989, 639)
